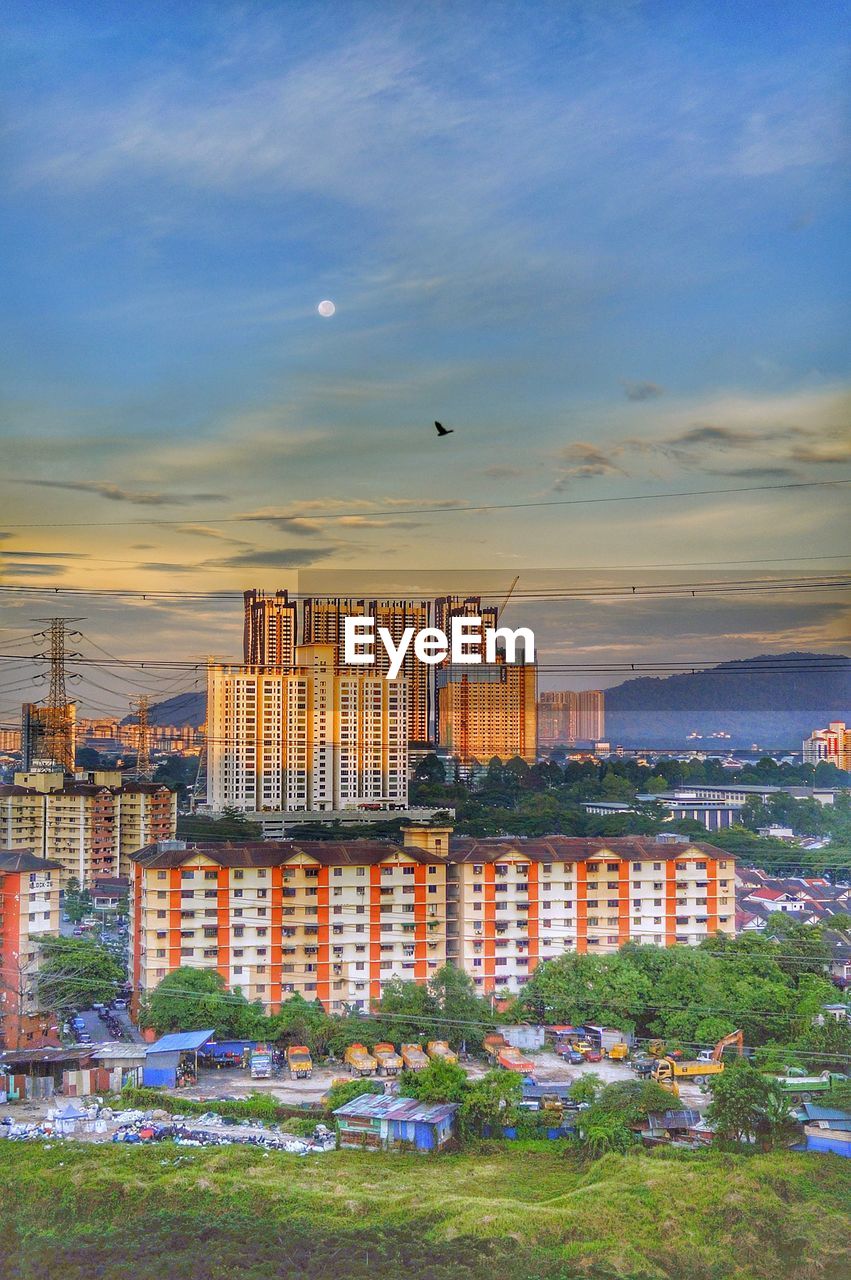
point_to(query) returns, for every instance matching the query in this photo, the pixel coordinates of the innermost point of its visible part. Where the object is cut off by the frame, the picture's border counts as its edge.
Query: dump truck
(261, 1062)
(359, 1061)
(389, 1062)
(413, 1057)
(512, 1059)
(440, 1049)
(709, 1062)
(618, 1052)
(802, 1088)
(299, 1062)
(493, 1044)
(694, 1070)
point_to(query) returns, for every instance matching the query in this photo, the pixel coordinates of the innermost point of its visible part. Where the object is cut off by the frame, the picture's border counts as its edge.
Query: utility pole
(144, 770)
(58, 726)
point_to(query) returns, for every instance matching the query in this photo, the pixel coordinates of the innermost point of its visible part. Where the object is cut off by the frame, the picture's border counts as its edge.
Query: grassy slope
(191, 1214)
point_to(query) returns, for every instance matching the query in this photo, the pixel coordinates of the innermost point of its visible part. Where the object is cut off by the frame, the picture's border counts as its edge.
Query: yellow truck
(413, 1057)
(359, 1062)
(389, 1062)
(440, 1049)
(299, 1062)
(698, 1072)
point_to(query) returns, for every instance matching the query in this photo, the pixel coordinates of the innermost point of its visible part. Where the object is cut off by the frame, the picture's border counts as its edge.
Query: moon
(326, 308)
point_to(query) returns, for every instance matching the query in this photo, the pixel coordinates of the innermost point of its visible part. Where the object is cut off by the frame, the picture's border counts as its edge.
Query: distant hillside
(183, 708)
(747, 700)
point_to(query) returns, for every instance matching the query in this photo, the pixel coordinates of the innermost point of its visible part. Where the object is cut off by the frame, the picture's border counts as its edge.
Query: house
(827, 1129)
(173, 1060)
(380, 1121)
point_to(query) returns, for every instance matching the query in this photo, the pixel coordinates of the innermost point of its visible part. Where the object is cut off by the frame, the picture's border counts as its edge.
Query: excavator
(736, 1038)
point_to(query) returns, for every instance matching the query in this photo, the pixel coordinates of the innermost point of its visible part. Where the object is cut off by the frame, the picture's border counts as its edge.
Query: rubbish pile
(208, 1131)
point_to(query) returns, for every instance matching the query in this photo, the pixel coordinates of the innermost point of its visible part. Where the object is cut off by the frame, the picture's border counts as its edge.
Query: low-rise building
(382, 1121)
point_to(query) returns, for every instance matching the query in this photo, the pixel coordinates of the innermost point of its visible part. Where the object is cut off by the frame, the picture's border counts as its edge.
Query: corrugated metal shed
(686, 1119)
(181, 1041)
(814, 1112)
(383, 1106)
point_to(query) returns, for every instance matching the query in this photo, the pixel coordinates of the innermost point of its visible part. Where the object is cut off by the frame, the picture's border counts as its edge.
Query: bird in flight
(443, 431)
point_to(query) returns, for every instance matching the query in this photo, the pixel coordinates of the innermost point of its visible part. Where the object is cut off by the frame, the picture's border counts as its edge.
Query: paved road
(98, 1031)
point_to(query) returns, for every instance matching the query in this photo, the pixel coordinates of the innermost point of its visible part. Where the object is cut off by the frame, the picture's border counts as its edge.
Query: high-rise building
(316, 738)
(324, 624)
(89, 824)
(270, 631)
(29, 912)
(832, 745)
(488, 710)
(565, 715)
(48, 733)
(336, 921)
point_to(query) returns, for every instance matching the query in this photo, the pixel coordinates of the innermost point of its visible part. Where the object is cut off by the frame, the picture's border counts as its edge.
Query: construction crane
(507, 598)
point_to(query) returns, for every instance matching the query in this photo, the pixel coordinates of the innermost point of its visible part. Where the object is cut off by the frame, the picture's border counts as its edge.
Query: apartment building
(336, 921)
(323, 623)
(29, 911)
(330, 921)
(513, 903)
(316, 738)
(488, 710)
(270, 630)
(568, 715)
(89, 824)
(48, 736)
(832, 745)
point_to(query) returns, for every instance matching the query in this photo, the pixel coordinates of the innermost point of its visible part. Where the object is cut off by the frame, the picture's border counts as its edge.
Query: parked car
(574, 1057)
(593, 1055)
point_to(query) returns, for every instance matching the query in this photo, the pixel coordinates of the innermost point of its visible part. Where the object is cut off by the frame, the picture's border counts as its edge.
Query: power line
(710, 587)
(443, 510)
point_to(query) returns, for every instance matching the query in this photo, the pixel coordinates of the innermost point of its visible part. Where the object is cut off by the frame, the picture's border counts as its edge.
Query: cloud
(583, 461)
(503, 472)
(281, 558)
(643, 390)
(115, 493)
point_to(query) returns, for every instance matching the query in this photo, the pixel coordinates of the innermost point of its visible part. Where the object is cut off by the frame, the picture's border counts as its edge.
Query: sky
(603, 242)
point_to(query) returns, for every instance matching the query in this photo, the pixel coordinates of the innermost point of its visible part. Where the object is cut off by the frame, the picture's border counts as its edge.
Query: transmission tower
(144, 769)
(57, 728)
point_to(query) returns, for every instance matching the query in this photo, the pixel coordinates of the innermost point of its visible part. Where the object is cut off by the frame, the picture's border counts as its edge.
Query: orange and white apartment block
(29, 911)
(336, 921)
(331, 921)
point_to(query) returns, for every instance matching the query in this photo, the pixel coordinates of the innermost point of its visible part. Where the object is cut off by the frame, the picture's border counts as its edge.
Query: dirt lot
(549, 1068)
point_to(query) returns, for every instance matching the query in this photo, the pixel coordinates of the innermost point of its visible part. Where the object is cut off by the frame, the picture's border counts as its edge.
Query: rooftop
(182, 1041)
(13, 860)
(384, 1106)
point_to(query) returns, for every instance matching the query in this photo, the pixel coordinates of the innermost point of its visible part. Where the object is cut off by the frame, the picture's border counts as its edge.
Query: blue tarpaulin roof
(384, 1106)
(814, 1112)
(181, 1041)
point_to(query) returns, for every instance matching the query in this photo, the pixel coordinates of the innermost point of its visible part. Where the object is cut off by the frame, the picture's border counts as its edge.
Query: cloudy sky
(602, 241)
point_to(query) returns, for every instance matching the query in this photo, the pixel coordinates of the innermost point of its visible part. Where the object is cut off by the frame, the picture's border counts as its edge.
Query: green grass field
(170, 1213)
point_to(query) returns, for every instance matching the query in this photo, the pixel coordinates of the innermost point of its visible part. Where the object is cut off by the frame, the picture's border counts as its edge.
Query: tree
(76, 973)
(440, 1081)
(339, 1094)
(491, 1101)
(77, 902)
(586, 1087)
(190, 999)
(602, 1131)
(743, 1103)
